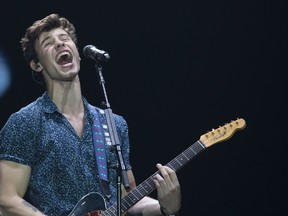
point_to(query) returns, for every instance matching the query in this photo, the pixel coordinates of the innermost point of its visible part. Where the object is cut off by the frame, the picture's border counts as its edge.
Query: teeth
(62, 54)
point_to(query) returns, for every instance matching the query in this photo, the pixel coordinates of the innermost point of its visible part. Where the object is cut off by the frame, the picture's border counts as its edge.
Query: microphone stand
(115, 142)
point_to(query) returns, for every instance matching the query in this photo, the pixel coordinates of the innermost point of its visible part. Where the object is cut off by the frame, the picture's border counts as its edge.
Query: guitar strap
(100, 134)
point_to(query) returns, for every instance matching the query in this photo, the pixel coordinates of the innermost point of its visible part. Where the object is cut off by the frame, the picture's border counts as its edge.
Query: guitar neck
(147, 186)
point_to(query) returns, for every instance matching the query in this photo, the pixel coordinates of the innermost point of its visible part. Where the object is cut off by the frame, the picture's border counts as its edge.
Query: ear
(36, 66)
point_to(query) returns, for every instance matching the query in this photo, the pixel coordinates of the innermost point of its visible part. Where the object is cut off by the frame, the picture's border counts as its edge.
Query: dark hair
(46, 24)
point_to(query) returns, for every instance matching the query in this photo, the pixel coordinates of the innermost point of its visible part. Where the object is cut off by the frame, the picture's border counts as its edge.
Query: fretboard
(147, 186)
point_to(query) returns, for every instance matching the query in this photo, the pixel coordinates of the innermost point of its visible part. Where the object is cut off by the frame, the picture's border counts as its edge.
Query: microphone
(95, 54)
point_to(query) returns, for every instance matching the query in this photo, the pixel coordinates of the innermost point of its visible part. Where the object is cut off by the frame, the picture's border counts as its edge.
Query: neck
(67, 96)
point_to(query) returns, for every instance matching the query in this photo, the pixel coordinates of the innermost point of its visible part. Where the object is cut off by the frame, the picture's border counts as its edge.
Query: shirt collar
(50, 107)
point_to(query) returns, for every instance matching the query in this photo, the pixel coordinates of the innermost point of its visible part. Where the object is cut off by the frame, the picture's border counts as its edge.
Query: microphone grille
(87, 50)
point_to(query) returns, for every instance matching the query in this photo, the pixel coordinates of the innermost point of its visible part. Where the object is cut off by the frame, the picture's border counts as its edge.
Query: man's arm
(14, 179)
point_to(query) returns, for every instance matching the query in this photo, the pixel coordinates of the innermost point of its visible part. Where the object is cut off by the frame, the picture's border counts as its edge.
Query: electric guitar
(93, 204)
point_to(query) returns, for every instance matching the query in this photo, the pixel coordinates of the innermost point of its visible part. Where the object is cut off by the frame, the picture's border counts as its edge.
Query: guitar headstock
(222, 133)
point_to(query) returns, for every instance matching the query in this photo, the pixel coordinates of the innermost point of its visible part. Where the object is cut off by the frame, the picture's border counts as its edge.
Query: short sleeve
(18, 140)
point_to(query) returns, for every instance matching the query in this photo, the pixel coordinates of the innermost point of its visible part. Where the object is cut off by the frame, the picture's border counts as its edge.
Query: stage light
(5, 74)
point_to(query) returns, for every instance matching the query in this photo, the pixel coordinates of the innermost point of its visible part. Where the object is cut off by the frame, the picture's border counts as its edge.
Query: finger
(172, 175)
(163, 170)
(168, 174)
(160, 184)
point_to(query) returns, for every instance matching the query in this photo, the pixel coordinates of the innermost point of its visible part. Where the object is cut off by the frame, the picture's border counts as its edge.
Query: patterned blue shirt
(63, 165)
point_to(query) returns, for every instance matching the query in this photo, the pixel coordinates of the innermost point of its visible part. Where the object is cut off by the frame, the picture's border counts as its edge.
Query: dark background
(177, 70)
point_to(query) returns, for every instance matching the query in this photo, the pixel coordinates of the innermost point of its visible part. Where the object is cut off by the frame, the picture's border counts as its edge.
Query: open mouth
(63, 58)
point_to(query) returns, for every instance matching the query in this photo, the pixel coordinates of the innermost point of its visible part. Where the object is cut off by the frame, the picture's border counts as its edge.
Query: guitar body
(91, 204)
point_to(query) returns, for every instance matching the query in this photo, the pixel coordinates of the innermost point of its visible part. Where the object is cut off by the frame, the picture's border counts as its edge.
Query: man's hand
(168, 189)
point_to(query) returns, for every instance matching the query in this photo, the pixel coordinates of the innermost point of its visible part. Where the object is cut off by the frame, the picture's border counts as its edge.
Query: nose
(62, 44)
(59, 43)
